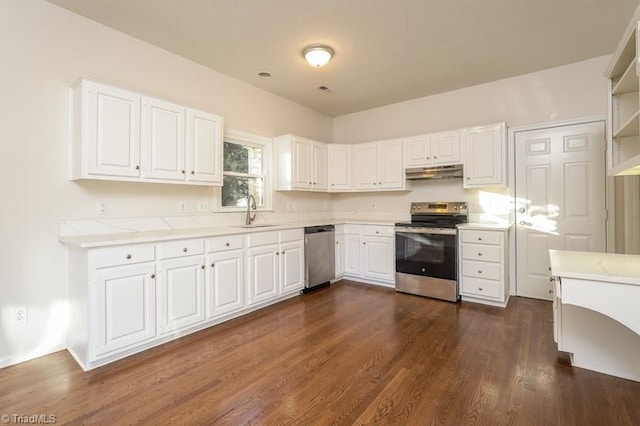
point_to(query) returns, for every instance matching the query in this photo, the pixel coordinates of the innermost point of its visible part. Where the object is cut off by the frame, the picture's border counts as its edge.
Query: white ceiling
(386, 51)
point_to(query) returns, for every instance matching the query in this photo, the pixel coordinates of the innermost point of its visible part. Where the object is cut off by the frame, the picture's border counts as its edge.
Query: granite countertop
(145, 236)
(609, 267)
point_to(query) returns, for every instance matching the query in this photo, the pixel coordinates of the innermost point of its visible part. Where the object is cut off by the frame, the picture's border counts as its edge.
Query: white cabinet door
(111, 137)
(204, 147)
(365, 164)
(418, 151)
(225, 282)
(340, 168)
(445, 148)
(390, 169)
(263, 273)
(163, 140)
(352, 254)
(302, 171)
(319, 156)
(291, 267)
(378, 258)
(340, 255)
(181, 300)
(485, 156)
(125, 307)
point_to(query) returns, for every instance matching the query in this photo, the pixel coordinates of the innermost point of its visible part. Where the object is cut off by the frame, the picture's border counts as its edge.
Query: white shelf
(628, 167)
(630, 128)
(628, 82)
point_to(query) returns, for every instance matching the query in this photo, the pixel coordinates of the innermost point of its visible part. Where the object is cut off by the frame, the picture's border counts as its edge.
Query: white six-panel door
(560, 199)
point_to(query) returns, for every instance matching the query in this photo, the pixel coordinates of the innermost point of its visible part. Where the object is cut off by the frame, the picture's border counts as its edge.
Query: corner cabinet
(340, 168)
(623, 134)
(301, 164)
(485, 156)
(122, 135)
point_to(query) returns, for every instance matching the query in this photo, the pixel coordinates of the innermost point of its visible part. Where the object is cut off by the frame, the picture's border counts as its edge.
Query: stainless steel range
(427, 250)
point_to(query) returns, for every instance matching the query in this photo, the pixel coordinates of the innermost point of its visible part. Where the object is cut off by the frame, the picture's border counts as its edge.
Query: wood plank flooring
(347, 354)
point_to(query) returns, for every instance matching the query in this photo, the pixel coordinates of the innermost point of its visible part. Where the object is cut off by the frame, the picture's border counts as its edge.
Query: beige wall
(44, 50)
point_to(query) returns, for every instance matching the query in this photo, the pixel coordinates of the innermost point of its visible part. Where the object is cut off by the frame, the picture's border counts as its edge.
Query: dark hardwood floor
(347, 354)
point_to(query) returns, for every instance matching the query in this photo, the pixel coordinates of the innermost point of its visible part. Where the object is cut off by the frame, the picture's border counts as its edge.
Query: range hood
(437, 172)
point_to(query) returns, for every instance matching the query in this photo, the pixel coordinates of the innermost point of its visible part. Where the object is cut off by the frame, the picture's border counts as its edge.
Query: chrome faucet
(251, 204)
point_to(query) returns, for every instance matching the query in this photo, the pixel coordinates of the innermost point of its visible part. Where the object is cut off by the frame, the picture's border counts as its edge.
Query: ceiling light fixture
(317, 55)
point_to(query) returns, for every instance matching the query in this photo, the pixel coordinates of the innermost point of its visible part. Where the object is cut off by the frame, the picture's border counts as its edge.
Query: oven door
(430, 252)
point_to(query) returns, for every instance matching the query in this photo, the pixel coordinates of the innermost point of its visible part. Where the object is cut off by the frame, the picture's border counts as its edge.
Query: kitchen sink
(254, 226)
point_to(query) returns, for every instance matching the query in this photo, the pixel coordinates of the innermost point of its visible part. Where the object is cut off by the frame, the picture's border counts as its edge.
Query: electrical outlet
(20, 313)
(102, 208)
(203, 206)
(182, 206)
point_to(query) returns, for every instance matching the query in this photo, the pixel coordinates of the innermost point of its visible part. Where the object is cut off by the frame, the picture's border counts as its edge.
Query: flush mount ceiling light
(317, 55)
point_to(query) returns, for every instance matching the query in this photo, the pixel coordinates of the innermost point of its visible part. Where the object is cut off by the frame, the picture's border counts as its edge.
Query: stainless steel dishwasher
(319, 256)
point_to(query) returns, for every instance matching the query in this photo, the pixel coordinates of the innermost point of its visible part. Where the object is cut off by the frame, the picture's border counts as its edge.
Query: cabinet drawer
(261, 238)
(481, 237)
(291, 235)
(482, 288)
(124, 255)
(230, 242)
(482, 252)
(487, 270)
(377, 231)
(180, 248)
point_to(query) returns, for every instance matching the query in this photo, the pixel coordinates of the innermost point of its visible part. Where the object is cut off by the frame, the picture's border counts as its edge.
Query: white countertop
(134, 237)
(609, 267)
(485, 226)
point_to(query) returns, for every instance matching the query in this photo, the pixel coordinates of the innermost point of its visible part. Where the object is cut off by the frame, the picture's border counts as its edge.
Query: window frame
(257, 141)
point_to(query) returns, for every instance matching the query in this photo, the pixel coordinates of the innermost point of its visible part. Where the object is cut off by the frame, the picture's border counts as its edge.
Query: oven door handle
(433, 231)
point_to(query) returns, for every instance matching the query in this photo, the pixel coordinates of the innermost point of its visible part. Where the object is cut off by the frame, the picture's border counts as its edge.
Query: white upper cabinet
(623, 132)
(163, 140)
(378, 166)
(485, 151)
(106, 132)
(204, 148)
(301, 164)
(339, 166)
(122, 135)
(433, 149)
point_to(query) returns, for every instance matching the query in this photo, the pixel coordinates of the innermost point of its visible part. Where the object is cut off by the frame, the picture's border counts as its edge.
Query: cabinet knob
(333, 184)
(309, 183)
(550, 291)
(128, 256)
(202, 267)
(377, 232)
(364, 243)
(337, 242)
(428, 158)
(282, 251)
(374, 183)
(137, 167)
(480, 254)
(213, 265)
(379, 183)
(468, 178)
(479, 238)
(193, 172)
(227, 244)
(153, 276)
(435, 156)
(277, 253)
(479, 271)
(183, 172)
(184, 249)
(480, 288)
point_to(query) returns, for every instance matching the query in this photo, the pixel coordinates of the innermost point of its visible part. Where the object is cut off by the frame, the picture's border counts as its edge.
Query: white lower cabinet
(128, 298)
(125, 308)
(369, 254)
(339, 254)
(484, 266)
(181, 293)
(275, 264)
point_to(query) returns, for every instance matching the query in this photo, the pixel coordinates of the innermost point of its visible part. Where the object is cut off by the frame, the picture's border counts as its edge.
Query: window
(245, 171)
